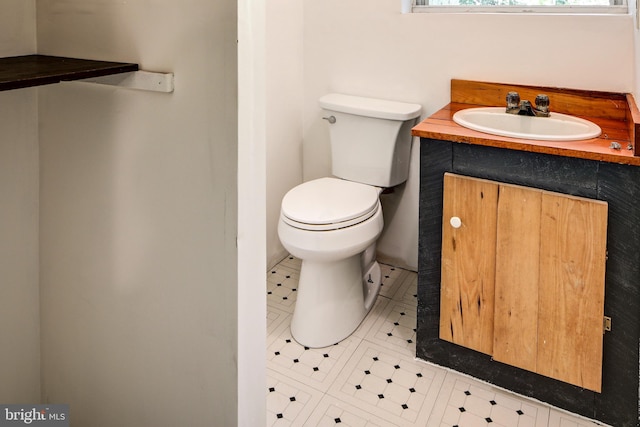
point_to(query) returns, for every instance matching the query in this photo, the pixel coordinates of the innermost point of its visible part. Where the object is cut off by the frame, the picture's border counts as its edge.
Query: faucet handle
(542, 103)
(513, 100)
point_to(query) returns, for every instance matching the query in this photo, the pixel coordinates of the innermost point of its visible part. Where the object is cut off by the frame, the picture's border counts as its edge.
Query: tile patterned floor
(372, 379)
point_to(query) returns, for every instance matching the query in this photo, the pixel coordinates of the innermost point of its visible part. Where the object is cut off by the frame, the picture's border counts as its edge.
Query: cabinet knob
(455, 222)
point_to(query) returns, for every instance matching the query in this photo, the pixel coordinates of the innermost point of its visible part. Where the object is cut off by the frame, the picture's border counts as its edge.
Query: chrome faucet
(524, 108)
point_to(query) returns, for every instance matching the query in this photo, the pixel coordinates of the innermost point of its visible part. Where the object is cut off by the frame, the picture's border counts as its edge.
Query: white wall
(139, 284)
(284, 97)
(633, 9)
(19, 303)
(373, 50)
(252, 206)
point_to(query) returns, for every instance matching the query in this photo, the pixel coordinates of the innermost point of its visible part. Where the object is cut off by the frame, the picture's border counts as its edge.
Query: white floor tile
(291, 262)
(282, 286)
(562, 419)
(388, 384)
(464, 401)
(332, 412)
(407, 289)
(392, 279)
(395, 328)
(372, 379)
(289, 403)
(277, 321)
(316, 367)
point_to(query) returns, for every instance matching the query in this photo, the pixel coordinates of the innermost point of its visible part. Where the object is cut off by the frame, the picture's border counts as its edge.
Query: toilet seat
(329, 204)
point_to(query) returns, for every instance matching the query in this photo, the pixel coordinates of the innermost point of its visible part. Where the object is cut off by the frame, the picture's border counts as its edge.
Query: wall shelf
(35, 70)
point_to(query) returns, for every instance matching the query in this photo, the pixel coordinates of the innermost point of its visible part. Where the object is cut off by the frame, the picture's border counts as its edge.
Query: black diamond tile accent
(396, 366)
(277, 353)
(489, 420)
(389, 381)
(409, 341)
(279, 284)
(288, 277)
(367, 372)
(493, 402)
(292, 399)
(461, 409)
(271, 389)
(396, 323)
(285, 298)
(468, 393)
(296, 360)
(358, 387)
(419, 375)
(287, 341)
(412, 390)
(279, 416)
(325, 355)
(337, 420)
(273, 272)
(316, 369)
(381, 396)
(519, 412)
(375, 359)
(306, 348)
(389, 334)
(403, 314)
(293, 290)
(404, 406)
(269, 293)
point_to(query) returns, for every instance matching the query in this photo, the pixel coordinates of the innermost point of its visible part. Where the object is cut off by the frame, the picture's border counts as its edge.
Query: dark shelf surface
(35, 70)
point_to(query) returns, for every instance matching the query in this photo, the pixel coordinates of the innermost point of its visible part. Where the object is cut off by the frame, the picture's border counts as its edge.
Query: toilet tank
(370, 138)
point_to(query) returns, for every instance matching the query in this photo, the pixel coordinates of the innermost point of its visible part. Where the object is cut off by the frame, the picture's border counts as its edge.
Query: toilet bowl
(332, 226)
(332, 223)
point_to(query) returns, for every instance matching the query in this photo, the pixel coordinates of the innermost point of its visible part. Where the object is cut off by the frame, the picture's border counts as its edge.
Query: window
(540, 6)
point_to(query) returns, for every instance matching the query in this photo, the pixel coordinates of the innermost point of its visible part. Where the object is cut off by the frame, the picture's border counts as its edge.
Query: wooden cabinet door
(468, 262)
(523, 277)
(571, 289)
(517, 275)
(550, 265)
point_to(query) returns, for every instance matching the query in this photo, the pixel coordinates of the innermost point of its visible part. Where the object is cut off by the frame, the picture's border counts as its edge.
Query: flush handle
(455, 222)
(330, 119)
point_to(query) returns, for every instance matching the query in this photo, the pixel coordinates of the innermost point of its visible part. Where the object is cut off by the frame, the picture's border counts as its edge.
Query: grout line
(329, 394)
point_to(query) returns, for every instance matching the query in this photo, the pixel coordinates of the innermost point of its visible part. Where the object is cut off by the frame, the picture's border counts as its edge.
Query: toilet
(332, 223)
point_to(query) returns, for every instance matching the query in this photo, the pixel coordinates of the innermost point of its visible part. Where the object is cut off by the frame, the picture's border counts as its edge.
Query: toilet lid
(329, 201)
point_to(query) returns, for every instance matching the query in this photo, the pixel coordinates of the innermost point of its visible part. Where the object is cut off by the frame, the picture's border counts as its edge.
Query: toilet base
(333, 299)
(372, 282)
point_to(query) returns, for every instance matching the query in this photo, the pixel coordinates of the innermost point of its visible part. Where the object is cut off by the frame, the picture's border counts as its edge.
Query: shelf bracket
(141, 80)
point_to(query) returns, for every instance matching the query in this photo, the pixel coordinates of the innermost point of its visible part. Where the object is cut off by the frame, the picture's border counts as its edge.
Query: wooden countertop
(616, 114)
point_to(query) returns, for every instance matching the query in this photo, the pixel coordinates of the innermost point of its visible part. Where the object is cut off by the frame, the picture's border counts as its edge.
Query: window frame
(614, 9)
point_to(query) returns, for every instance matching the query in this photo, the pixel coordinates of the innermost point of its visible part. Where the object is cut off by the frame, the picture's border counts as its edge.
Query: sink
(556, 127)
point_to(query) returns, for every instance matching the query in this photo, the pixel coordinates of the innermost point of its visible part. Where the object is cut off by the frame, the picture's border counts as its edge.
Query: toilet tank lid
(370, 107)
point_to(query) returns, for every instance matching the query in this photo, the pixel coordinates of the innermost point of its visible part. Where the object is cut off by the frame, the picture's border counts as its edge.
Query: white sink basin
(556, 127)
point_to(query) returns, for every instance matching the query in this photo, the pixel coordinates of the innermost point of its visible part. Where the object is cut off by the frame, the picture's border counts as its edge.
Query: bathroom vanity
(529, 253)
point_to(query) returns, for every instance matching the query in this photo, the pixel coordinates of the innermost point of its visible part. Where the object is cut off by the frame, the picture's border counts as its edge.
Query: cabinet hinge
(607, 323)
